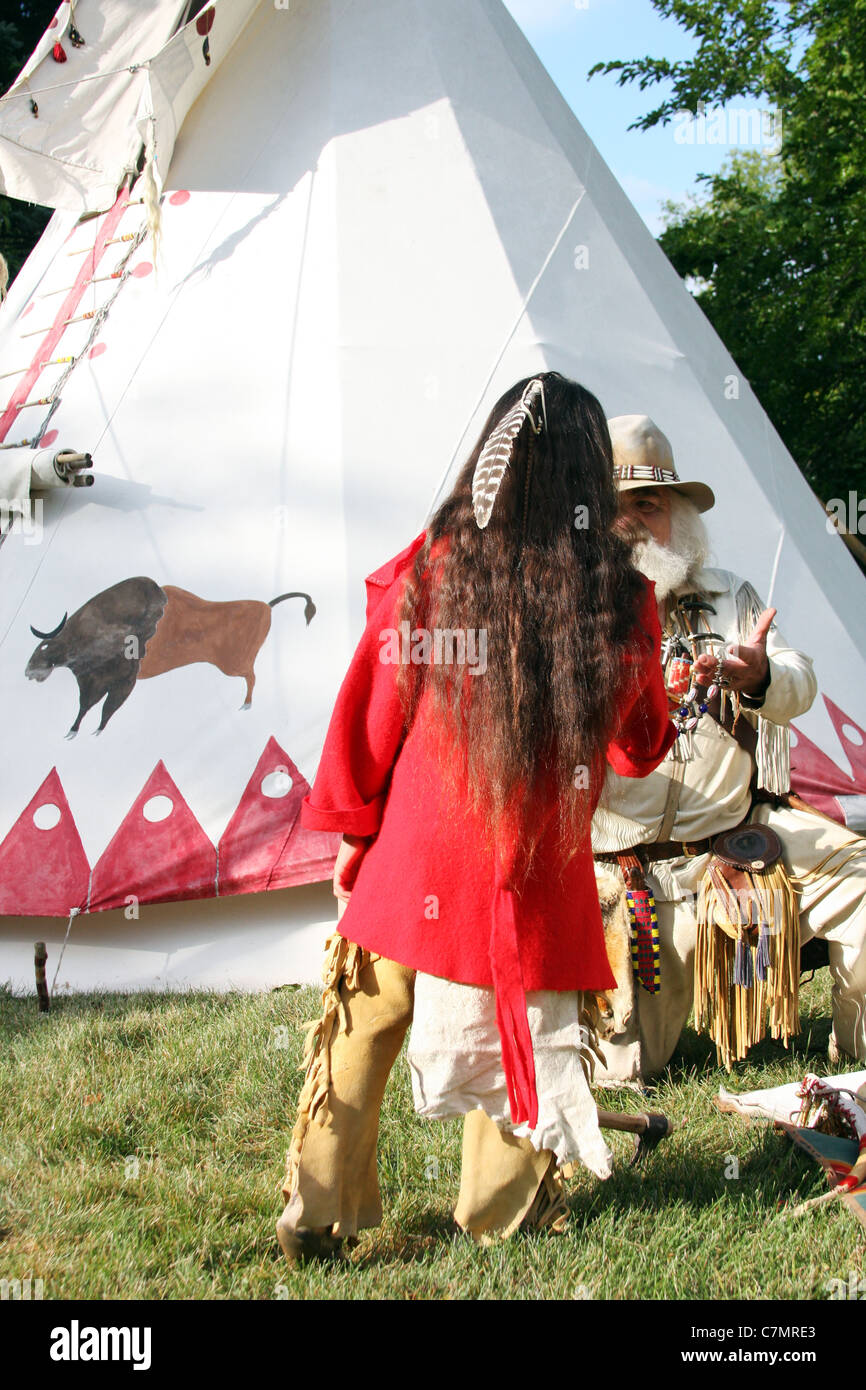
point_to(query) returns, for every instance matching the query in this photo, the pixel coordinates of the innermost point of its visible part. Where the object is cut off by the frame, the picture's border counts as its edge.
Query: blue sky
(654, 165)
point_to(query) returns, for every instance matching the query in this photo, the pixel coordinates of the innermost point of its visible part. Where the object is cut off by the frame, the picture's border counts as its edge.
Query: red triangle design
(43, 873)
(264, 845)
(856, 751)
(816, 777)
(155, 861)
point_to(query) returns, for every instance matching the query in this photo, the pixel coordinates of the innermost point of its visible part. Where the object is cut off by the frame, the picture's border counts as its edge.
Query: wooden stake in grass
(40, 959)
(814, 1202)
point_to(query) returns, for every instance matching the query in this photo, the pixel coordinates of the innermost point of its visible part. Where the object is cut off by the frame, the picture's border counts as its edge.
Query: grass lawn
(142, 1147)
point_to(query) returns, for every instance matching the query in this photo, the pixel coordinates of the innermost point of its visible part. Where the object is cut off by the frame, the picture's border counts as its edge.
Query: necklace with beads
(681, 645)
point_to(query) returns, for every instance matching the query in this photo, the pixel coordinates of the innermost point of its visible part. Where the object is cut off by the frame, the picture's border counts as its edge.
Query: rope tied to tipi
(73, 913)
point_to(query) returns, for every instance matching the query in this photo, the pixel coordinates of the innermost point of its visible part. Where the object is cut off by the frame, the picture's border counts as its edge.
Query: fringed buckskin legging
(332, 1182)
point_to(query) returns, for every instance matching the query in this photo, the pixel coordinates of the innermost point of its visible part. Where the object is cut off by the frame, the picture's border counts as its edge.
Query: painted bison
(138, 628)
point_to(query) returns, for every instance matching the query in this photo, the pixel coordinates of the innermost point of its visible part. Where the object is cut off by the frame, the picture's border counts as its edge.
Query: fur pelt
(615, 1006)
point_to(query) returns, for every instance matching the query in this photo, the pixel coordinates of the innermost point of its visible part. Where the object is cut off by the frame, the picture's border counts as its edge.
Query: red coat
(428, 893)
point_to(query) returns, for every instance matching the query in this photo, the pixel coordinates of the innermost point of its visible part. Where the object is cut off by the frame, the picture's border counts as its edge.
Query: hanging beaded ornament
(684, 690)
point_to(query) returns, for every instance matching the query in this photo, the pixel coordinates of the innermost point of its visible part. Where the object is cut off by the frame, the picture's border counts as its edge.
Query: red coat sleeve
(365, 732)
(645, 733)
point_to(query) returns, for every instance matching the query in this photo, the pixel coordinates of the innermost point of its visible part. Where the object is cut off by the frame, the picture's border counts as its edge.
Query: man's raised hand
(745, 665)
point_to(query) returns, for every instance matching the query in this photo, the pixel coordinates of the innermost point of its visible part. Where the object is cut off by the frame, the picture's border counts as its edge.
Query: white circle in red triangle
(277, 783)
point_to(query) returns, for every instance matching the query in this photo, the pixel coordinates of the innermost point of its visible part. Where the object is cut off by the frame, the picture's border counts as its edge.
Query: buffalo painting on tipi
(136, 630)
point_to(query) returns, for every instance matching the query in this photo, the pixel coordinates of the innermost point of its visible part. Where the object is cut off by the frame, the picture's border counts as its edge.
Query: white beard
(673, 567)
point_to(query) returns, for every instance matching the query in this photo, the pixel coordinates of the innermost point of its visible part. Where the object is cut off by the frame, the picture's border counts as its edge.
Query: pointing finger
(762, 627)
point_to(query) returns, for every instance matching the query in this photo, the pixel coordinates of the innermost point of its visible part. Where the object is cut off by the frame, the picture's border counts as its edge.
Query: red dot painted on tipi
(143, 269)
(48, 438)
(43, 873)
(263, 845)
(178, 199)
(26, 311)
(204, 23)
(52, 23)
(98, 349)
(156, 861)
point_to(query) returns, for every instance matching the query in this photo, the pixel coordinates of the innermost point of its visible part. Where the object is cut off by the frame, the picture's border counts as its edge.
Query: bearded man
(733, 700)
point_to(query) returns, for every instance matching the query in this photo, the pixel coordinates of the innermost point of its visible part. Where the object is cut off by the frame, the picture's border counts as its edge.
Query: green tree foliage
(21, 28)
(778, 246)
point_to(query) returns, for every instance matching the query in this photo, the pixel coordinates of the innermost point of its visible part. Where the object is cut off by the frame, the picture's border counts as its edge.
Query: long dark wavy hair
(554, 588)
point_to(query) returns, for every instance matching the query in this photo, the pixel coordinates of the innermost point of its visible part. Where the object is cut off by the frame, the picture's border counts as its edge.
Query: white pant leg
(663, 1016)
(648, 1042)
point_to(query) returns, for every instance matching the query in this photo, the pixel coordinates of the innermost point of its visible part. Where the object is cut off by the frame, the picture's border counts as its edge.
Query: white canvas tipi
(376, 215)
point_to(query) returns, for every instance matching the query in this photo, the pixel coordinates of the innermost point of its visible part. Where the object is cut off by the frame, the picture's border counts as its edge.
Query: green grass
(142, 1147)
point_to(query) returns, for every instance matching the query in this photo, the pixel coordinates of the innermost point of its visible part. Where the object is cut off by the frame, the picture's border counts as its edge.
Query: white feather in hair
(496, 454)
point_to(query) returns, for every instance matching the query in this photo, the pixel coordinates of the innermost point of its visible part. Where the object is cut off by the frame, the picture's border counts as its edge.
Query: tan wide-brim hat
(643, 457)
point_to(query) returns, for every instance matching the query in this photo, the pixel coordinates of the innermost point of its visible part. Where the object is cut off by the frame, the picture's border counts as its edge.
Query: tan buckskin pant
(332, 1181)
